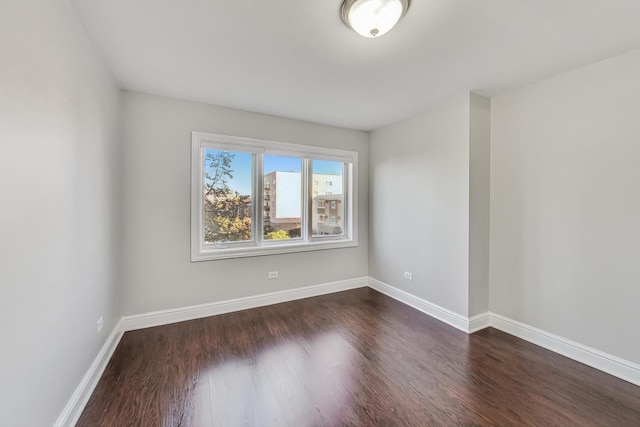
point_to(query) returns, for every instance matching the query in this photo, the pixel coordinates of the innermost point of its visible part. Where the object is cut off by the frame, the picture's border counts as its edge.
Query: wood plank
(350, 358)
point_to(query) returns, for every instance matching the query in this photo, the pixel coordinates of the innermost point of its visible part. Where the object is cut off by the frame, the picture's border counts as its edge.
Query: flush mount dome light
(373, 18)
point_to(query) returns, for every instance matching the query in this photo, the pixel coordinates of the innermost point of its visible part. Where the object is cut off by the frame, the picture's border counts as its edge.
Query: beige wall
(156, 268)
(565, 205)
(58, 221)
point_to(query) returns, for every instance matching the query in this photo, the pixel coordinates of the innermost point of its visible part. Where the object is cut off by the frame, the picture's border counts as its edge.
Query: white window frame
(259, 246)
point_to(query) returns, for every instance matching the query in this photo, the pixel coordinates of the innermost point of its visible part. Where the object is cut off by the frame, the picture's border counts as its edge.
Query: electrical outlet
(273, 275)
(408, 276)
(99, 324)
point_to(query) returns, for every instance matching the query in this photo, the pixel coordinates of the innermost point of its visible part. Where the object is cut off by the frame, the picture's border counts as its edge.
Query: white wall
(58, 133)
(565, 205)
(479, 212)
(157, 272)
(419, 204)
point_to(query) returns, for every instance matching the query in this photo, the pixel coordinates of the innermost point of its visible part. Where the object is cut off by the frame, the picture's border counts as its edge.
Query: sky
(241, 165)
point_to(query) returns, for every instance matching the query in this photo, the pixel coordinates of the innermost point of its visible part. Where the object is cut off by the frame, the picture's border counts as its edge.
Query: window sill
(244, 252)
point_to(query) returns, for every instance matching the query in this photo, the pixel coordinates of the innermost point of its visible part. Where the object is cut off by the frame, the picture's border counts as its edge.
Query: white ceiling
(295, 58)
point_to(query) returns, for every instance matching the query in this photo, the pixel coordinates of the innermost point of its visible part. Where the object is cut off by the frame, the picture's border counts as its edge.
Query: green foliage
(295, 232)
(227, 219)
(277, 235)
(227, 214)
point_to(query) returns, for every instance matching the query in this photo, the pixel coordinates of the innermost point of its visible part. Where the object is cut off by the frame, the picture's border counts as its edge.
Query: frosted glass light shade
(373, 18)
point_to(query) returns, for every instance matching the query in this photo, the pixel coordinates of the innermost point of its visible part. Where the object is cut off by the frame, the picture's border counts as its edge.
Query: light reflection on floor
(295, 380)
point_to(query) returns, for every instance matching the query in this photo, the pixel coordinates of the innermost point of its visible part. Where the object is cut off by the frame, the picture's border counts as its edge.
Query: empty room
(319, 213)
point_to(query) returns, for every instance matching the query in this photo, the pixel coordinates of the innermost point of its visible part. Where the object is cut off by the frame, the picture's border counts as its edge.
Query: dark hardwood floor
(351, 358)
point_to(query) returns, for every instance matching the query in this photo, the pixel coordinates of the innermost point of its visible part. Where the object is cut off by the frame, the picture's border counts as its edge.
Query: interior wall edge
(436, 311)
(597, 359)
(181, 314)
(80, 397)
(610, 364)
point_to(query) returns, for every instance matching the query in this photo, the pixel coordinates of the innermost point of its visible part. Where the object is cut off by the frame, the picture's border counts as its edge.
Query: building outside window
(231, 218)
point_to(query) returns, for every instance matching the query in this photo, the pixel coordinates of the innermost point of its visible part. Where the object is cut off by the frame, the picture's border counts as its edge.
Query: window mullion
(346, 199)
(305, 225)
(259, 198)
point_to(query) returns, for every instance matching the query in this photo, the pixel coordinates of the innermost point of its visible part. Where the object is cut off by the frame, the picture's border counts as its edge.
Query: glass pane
(282, 197)
(227, 196)
(327, 207)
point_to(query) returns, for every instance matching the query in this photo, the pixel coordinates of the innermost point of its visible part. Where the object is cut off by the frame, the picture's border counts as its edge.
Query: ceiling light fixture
(373, 18)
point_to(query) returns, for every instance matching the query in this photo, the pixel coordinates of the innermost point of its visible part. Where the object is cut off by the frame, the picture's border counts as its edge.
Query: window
(227, 211)
(287, 203)
(236, 212)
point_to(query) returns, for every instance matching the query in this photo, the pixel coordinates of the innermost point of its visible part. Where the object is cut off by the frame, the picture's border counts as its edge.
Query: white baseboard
(447, 316)
(72, 411)
(164, 317)
(479, 321)
(76, 404)
(597, 359)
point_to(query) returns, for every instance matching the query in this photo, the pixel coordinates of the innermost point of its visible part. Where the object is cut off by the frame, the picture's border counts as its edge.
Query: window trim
(259, 246)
